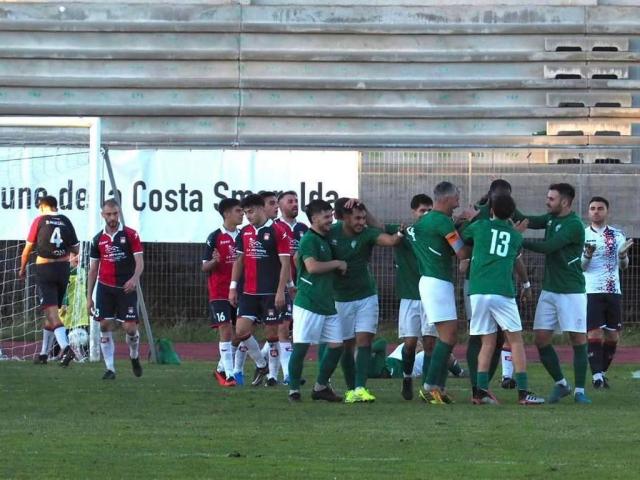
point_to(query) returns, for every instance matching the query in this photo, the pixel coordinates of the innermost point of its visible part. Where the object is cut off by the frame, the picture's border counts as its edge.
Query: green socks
(473, 350)
(438, 365)
(363, 358)
(580, 363)
(549, 359)
(328, 364)
(348, 368)
(296, 363)
(322, 347)
(522, 381)
(426, 362)
(483, 380)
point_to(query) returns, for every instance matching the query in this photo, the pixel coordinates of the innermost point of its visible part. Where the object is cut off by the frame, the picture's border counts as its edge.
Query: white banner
(172, 195)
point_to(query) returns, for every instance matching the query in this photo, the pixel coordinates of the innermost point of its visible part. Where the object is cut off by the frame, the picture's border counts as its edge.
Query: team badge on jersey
(130, 311)
(267, 236)
(558, 227)
(123, 240)
(353, 243)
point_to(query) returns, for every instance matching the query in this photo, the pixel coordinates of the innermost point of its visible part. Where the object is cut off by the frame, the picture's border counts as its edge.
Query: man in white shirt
(605, 254)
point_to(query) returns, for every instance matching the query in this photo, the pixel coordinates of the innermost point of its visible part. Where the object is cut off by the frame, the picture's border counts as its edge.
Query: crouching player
(314, 312)
(496, 246)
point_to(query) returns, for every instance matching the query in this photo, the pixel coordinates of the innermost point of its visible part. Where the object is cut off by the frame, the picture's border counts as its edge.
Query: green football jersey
(429, 240)
(358, 282)
(496, 245)
(484, 213)
(315, 291)
(407, 273)
(563, 245)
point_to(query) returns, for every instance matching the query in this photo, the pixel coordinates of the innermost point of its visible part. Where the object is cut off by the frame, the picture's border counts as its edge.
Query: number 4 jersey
(496, 245)
(53, 236)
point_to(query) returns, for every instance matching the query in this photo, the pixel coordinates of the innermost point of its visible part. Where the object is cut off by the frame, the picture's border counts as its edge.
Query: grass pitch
(175, 422)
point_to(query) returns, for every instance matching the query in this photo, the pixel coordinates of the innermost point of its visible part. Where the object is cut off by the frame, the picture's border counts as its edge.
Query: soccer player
(288, 204)
(116, 265)
(498, 186)
(314, 311)
(562, 304)
(435, 240)
(217, 261)
(263, 250)
(271, 349)
(412, 322)
(356, 293)
(496, 245)
(53, 237)
(605, 253)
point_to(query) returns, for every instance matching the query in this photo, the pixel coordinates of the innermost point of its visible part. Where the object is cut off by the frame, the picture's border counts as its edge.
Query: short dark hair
(253, 200)
(599, 199)
(227, 204)
(315, 207)
(341, 210)
(420, 199)
(48, 201)
(111, 202)
(288, 192)
(503, 206)
(499, 184)
(565, 190)
(266, 194)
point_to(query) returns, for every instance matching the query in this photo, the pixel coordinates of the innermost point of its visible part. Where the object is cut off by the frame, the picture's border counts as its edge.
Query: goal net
(56, 156)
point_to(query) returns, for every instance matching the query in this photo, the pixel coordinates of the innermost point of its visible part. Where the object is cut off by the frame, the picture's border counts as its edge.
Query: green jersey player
(562, 305)
(356, 294)
(435, 241)
(314, 312)
(496, 246)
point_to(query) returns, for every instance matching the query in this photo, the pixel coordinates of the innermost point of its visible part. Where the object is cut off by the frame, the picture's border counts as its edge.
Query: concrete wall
(334, 74)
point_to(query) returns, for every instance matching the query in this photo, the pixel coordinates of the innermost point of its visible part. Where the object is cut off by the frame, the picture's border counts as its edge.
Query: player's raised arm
(571, 233)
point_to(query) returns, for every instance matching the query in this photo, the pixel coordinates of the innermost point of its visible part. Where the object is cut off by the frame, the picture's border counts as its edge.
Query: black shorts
(221, 312)
(114, 303)
(604, 310)
(259, 308)
(52, 280)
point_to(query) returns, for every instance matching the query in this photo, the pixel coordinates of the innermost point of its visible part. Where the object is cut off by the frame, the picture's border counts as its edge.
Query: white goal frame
(94, 127)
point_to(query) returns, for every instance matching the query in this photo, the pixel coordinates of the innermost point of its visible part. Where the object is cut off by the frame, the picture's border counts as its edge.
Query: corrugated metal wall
(258, 74)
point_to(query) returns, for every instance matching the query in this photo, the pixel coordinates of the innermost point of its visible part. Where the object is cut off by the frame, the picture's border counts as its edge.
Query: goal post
(40, 156)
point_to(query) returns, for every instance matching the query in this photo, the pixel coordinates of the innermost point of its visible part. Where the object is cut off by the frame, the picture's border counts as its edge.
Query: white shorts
(467, 301)
(438, 300)
(310, 327)
(412, 322)
(562, 312)
(358, 316)
(489, 311)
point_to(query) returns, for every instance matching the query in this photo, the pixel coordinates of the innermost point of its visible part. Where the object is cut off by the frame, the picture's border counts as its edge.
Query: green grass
(174, 422)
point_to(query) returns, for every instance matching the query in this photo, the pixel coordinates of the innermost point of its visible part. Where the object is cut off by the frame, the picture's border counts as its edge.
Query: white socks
(274, 359)
(239, 358)
(507, 364)
(108, 350)
(253, 349)
(61, 337)
(47, 338)
(226, 357)
(134, 344)
(285, 355)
